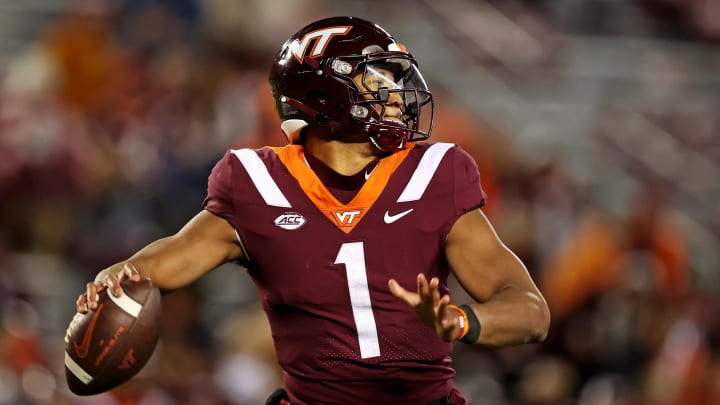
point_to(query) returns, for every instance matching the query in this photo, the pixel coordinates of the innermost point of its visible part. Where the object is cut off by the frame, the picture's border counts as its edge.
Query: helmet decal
(323, 36)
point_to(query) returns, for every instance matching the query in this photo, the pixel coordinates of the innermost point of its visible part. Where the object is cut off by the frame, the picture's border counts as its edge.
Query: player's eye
(375, 84)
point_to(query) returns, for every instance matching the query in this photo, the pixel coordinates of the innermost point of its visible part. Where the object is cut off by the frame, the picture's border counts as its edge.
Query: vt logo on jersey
(322, 38)
(347, 218)
(290, 221)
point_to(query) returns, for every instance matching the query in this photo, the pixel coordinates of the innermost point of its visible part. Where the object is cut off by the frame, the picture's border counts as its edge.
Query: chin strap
(388, 136)
(320, 118)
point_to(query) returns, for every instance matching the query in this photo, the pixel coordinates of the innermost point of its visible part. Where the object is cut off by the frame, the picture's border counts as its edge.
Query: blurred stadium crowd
(594, 123)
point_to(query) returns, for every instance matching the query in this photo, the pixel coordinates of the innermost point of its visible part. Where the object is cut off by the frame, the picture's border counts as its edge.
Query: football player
(351, 230)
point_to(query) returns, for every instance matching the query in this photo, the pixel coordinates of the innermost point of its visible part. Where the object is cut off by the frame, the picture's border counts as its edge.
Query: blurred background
(594, 122)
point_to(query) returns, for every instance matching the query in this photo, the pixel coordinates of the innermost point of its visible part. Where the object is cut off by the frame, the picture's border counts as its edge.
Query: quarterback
(351, 229)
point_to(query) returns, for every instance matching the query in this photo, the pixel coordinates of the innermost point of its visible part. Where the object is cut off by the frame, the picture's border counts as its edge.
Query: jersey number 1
(352, 255)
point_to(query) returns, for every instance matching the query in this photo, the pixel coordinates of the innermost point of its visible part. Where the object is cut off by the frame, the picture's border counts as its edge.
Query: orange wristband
(462, 320)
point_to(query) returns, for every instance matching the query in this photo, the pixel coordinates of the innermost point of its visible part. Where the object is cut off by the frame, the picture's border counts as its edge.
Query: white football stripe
(424, 172)
(126, 303)
(75, 368)
(261, 178)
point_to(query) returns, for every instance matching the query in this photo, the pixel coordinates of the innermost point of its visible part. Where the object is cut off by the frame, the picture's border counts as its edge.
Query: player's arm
(204, 243)
(510, 308)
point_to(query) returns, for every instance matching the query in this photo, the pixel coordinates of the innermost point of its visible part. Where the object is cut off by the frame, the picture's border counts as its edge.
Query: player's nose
(395, 100)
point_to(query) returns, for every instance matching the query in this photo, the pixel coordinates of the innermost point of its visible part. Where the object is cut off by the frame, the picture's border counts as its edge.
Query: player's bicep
(205, 242)
(481, 262)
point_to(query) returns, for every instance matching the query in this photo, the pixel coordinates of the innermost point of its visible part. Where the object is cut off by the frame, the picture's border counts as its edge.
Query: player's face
(376, 78)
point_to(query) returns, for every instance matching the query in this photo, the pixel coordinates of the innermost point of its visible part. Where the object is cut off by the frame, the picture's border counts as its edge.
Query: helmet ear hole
(320, 97)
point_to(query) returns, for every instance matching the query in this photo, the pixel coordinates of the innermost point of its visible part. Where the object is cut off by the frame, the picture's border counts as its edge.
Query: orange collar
(344, 216)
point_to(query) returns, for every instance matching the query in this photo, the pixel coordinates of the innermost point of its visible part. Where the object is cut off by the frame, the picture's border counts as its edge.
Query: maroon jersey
(321, 267)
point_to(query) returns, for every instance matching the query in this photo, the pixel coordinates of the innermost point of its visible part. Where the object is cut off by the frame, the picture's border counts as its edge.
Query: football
(108, 346)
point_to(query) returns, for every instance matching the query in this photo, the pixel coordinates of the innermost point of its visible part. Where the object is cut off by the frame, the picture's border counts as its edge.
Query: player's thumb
(401, 293)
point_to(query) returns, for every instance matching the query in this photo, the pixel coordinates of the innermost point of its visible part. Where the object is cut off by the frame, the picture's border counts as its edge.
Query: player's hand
(429, 306)
(109, 278)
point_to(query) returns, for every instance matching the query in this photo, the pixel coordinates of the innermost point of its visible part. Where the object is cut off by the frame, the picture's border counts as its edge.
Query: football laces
(73, 323)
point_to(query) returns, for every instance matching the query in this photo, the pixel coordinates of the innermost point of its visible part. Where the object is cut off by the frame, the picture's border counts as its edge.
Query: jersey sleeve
(469, 194)
(219, 199)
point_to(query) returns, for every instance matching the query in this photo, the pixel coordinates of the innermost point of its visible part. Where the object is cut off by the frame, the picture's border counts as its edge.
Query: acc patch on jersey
(290, 221)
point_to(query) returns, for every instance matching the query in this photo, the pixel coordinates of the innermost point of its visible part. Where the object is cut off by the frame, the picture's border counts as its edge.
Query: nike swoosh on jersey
(84, 347)
(389, 219)
(368, 173)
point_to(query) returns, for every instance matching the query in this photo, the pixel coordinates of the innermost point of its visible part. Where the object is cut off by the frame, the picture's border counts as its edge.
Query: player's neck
(344, 158)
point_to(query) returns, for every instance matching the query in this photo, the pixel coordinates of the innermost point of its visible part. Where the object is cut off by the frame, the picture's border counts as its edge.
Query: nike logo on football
(389, 219)
(84, 347)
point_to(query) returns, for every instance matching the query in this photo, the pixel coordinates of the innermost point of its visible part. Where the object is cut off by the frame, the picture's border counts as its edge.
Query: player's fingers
(91, 295)
(119, 276)
(422, 286)
(131, 272)
(434, 289)
(113, 284)
(403, 294)
(396, 289)
(442, 311)
(450, 332)
(447, 325)
(81, 304)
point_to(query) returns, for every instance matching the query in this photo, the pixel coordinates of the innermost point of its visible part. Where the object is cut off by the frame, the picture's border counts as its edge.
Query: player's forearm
(168, 266)
(512, 317)
(204, 243)
(169, 263)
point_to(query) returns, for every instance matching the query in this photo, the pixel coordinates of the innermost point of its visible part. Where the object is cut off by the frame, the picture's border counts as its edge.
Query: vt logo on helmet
(321, 37)
(349, 79)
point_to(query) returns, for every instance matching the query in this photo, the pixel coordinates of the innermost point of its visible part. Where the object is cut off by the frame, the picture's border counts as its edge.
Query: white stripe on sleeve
(424, 172)
(261, 178)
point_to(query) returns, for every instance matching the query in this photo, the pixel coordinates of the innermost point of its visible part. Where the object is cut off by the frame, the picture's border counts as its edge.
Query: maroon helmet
(348, 76)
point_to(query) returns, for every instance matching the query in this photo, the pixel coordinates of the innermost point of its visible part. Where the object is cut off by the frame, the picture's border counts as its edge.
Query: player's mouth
(395, 119)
